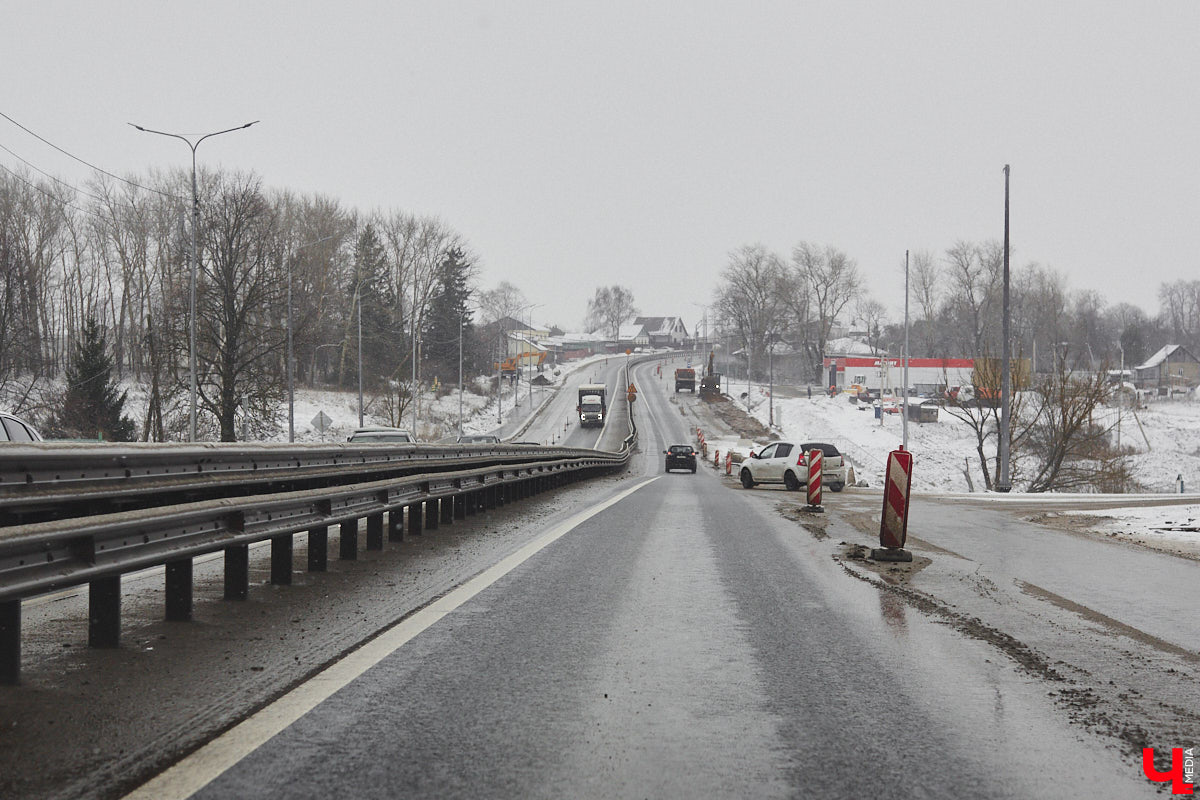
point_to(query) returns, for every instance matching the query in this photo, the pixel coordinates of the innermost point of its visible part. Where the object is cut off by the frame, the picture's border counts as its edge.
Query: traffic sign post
(893, 526)
(321, 422)
(815, 463)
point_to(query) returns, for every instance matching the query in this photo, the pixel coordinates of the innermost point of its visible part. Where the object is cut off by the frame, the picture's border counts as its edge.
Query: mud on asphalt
(91, 723)
(1130, 689)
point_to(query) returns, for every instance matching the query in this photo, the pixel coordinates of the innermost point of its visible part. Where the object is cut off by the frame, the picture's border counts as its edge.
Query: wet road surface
(686, 641)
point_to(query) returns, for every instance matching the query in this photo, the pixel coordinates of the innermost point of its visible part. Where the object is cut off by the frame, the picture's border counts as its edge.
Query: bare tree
(751, 296)
(1180, 312)
(505, 300)
(975, 275)
(610, 308)
(926, 281)
(833, 280)
(239, 330)
(1071, 451)
(873, 316)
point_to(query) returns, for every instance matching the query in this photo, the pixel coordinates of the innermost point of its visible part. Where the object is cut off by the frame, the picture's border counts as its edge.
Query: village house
(1172, 369)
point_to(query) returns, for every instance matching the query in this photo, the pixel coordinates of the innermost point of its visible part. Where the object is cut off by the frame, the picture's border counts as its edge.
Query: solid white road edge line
(203, 766)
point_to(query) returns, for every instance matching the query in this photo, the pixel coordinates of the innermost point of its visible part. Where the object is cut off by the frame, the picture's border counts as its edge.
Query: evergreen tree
(381, 338)
(92, 408)
(449, 306)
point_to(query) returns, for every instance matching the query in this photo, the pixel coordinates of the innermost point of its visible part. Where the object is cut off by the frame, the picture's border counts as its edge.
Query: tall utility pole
(291, 359)
(1004, 482)
(461, 321)
(904, 421)
(771, 381)
(195, 259)
(358, 297)
(291, 364)
(416, 395)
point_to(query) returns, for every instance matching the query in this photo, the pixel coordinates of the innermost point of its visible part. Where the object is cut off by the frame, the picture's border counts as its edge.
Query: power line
(57, 199)
(87, 164)
(34, 167)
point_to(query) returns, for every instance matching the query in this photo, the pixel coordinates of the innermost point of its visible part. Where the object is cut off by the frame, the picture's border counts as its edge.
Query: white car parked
(778, 462)
(787, 463)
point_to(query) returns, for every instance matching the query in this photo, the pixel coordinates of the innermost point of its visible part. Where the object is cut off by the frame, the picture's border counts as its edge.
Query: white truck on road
(592, 405)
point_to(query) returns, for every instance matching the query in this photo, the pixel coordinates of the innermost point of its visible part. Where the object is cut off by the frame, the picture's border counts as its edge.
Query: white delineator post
(815, 464)
(893, 526)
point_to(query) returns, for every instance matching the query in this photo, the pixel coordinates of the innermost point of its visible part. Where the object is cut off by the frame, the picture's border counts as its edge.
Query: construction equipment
(530, 358)
(710, 384)
(685, 378)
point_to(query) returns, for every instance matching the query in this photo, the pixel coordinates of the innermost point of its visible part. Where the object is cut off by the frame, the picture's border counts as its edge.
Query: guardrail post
(281, 560)
(396, 525)
(104, 612)
(375, 531)
(318, 549)
(460, 506)
(10, 642)
(432, 511)
(470, 504)
(448, 510)
(489, 498)
(415, 523)
(237, 571)
(179, 590)
(348, 540)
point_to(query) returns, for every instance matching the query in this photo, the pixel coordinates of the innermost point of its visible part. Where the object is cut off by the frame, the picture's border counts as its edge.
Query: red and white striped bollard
(816, 460)
(893, 525)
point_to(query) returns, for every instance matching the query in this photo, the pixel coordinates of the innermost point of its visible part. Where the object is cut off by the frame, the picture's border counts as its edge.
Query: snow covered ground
(1164, 438)
(1171, 528)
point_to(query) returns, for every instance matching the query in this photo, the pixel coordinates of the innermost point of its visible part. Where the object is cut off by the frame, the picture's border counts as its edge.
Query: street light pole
(771, 380)
(195, 263)
(1004, 483)
(358, 298)
(291, 368)
(460, 375)
(1120, 395)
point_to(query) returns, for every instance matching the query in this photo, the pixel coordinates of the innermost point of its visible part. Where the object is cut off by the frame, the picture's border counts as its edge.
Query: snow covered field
(1164, 438)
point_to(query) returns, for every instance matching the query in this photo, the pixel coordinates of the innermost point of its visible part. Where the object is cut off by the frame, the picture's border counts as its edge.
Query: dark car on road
(680, 456)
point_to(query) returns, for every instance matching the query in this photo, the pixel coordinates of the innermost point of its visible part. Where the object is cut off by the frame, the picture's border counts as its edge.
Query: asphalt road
(678, 637)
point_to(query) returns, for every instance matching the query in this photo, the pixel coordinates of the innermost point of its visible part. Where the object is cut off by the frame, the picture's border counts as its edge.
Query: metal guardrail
(39, 481)
(47, 556)
(415, 487)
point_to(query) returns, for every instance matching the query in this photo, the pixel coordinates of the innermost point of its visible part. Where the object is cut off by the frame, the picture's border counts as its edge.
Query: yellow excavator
(529, 358)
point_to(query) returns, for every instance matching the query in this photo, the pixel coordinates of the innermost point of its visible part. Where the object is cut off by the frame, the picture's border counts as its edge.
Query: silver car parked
(15, 430)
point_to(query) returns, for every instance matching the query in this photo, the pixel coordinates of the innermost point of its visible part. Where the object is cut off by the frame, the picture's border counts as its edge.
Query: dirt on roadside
(720, 414)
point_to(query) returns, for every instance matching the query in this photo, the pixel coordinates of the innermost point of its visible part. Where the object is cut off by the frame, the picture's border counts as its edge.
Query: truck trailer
(593, 405)
(685, 378)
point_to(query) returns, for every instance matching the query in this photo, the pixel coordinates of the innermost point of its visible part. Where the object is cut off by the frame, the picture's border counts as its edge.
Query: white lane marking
(203, 766)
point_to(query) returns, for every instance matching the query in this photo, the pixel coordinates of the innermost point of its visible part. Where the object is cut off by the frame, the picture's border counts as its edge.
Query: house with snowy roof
(664, 331)
(632, 334)
(1171, 369)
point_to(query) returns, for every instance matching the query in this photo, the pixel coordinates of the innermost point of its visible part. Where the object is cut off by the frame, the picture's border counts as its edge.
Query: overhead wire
(57, 199)
(38, 169)
(88, 164)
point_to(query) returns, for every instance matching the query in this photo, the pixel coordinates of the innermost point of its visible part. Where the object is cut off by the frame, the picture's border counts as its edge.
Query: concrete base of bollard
(813, 509)
(891, 554)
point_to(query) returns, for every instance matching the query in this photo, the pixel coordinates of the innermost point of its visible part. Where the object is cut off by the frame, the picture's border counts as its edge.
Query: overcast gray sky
(581, 144)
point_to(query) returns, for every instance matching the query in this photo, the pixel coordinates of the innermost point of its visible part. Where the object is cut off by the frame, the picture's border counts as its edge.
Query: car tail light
(800, 459)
